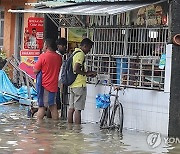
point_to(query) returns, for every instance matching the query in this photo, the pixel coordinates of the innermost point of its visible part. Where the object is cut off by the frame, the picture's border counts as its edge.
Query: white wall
(145, 110)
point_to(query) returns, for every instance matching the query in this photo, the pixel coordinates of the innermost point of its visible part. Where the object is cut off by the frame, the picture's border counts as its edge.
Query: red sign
(28, 69)
(29, 52)
(28, 59)
(33, 36)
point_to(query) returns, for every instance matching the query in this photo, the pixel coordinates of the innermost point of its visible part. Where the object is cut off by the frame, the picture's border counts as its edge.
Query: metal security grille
(55, 18)
(133, 57)
(66, 20)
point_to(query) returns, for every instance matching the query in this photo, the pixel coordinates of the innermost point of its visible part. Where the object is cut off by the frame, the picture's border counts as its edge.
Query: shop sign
(121, 19)
(30, 52)
(151, 15)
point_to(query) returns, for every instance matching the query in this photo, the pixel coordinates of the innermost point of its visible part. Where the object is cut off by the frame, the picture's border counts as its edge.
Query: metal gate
(134, 57)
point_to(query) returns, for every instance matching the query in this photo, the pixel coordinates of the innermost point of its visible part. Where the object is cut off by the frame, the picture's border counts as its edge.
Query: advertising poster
(33, 36)
(33, 43)
(76, 34)
(28, 59)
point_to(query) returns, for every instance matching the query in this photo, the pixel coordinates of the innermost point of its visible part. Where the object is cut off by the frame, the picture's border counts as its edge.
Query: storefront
(131, 48)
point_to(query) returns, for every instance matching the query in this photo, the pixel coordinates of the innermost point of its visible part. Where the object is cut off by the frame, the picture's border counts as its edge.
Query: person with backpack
(78, 89)
(49, 64)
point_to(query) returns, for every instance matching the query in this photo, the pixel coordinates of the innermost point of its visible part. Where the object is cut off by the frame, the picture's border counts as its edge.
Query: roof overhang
(88, 8)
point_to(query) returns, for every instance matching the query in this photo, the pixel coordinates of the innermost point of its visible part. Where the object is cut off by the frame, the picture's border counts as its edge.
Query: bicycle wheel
(117, 117)
(104, 118)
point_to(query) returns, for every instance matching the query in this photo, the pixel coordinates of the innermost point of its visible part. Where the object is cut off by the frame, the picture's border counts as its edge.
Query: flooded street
(18, 134)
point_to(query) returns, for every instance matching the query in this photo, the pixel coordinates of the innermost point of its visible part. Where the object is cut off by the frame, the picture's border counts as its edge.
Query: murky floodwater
(18, 134)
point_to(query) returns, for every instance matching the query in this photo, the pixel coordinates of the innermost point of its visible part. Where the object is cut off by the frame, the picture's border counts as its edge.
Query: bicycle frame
(108, 115)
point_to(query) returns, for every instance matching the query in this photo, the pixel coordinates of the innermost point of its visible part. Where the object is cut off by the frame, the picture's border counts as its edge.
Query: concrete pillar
(174, 108)
(9, 20)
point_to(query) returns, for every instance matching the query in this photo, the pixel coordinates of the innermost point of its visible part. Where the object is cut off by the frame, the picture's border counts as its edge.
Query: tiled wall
(144, 110)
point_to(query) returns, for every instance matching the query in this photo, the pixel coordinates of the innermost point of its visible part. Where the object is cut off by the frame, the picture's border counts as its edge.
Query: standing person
(61, 45)
(78, 89)
(62, 89)
(49, 63)
(61, 50)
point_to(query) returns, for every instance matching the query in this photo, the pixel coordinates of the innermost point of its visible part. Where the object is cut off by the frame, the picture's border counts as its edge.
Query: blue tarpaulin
(9, 92)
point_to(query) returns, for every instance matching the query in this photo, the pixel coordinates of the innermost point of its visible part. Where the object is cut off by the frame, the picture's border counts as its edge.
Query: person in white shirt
(33, 42)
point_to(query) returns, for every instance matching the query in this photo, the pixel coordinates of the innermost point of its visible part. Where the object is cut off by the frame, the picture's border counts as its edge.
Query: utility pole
(174, 106)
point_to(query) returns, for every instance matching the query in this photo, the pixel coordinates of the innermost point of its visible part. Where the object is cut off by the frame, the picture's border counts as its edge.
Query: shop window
(130, 56)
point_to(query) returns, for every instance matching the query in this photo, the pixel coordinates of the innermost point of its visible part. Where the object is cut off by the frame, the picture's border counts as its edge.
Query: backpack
(67, 74)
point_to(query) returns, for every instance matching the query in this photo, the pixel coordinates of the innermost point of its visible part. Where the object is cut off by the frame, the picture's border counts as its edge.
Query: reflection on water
(22, 135)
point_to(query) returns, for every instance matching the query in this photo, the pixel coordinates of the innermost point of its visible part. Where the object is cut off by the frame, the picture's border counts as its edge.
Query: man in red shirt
(49, 63)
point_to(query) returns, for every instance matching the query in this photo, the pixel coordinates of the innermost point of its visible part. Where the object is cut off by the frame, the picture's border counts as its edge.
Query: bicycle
(112, 116)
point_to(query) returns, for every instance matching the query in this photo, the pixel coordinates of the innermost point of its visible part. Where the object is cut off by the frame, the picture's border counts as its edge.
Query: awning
(89, 8)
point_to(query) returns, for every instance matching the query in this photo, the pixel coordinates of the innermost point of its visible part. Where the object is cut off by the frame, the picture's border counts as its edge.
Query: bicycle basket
(102, 101)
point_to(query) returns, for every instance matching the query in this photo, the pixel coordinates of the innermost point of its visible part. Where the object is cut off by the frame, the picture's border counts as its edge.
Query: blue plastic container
(121, 67)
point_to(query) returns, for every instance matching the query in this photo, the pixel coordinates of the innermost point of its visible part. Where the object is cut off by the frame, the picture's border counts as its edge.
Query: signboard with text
(28, 59)
(33, 36)
(33, 43)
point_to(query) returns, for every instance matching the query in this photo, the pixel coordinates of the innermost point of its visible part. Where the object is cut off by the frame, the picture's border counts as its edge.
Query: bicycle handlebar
(116, 88)
(119, 88)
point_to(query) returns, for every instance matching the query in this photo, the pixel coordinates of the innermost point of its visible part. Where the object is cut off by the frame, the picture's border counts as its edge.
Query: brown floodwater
(21, 135)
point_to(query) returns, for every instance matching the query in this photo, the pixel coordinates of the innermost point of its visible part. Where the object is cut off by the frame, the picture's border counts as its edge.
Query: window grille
(129, 56)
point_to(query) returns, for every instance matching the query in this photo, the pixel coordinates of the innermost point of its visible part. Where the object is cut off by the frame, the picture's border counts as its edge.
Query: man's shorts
(77, 98)
(46, 98)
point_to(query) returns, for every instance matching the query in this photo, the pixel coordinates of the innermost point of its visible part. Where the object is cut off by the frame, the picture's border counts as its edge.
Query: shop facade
(132, 48)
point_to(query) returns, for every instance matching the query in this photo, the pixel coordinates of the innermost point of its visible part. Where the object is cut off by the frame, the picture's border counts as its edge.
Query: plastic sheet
(102, 101)
(9, 92)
